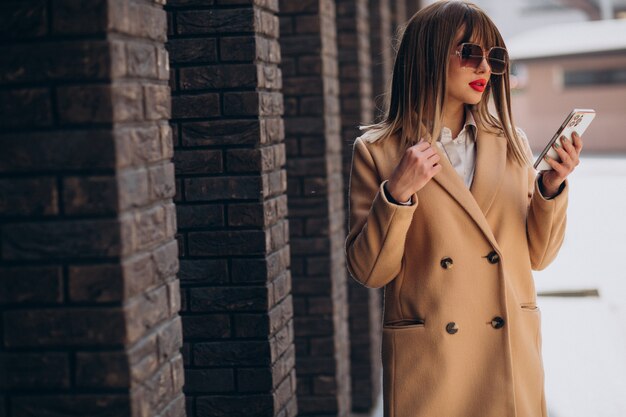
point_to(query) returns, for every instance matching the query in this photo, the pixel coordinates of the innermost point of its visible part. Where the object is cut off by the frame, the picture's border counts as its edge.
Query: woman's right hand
(418, 165)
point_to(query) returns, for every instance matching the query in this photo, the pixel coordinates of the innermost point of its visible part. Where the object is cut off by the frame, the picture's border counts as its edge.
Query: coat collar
(490, 166)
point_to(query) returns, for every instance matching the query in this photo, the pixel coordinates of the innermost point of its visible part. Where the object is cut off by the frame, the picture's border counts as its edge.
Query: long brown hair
(414, 108)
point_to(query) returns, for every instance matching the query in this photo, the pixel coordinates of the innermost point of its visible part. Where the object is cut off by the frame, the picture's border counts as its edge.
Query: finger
(556, 166)
(578, 142)
(565, 157)
(422, 145)
(435, 170)
(572, 159)
(429, 152)
(434, 158)
(567, 163)
(567, 144)
(433, 161)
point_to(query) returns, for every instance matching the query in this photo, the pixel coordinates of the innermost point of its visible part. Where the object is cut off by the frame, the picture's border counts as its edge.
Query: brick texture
(89, 297)
(89, 234)
(399, 16)
(381, 30)
(412, 6)
(353, 38)
(316, 205)
(231, 184)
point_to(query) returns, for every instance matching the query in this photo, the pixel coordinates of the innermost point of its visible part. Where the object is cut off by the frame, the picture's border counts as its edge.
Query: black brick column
(399, 11)
(316, 211)
(231, 204)
(412, 6)
(381, 47)
(89, 298)
(353, 31)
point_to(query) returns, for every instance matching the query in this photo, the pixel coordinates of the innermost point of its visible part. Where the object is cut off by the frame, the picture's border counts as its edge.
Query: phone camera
(576, 120)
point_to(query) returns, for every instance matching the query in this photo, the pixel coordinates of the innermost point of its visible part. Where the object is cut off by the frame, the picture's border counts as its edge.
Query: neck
(454, 118)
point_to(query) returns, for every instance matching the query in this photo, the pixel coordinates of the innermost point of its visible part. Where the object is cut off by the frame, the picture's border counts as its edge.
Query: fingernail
(547, 158)
(557, 145)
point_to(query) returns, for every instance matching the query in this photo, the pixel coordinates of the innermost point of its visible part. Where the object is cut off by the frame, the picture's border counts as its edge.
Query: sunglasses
(471, 55)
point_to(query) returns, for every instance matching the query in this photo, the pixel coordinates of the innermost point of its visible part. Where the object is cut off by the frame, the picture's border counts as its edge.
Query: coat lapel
(490, 165)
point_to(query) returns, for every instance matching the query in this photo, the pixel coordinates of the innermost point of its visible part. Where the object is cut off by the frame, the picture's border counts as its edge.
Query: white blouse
(461, 151)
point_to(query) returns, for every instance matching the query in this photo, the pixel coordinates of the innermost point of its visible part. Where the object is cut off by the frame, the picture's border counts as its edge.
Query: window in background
(581, 78)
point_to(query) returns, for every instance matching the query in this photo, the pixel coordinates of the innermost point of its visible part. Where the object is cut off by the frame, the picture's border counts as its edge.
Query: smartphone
(577, 121)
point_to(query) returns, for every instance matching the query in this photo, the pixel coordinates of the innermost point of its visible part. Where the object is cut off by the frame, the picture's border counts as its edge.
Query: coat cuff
(560, 195)
(382, 194)
(538, 183)
(546, 226)
(550, 207)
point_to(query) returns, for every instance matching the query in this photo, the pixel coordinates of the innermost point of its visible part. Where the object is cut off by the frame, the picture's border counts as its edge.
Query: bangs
(480, 29)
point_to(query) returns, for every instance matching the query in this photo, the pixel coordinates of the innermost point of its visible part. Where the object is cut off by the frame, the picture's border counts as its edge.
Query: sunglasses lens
(471, 55)
(498, 59)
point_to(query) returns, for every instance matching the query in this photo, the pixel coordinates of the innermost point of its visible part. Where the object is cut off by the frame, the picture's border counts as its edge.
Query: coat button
(497, 322)
(446, 263)
(493, 257)
(451, 328)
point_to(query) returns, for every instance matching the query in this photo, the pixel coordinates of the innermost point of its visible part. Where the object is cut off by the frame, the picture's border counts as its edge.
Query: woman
(452, 227)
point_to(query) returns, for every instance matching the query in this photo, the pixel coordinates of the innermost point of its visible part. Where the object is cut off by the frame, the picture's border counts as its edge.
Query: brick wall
(412, 6)
(353, 31)
(399, 13)
(89, 298)
(316, 213)
(231, 204)
(381, 26)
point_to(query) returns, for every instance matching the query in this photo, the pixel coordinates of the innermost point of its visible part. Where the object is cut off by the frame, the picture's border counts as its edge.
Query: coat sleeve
(375, 243)
(546, 219)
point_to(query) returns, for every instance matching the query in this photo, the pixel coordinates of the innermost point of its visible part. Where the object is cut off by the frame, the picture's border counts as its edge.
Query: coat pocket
(407, 375)
(403, 324)
(529, 307)
(534, 308)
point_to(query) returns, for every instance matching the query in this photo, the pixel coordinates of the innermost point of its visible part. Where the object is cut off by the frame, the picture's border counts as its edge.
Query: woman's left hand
(570, 158)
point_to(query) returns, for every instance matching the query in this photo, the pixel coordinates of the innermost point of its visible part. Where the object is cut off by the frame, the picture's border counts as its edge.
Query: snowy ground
(584, 338)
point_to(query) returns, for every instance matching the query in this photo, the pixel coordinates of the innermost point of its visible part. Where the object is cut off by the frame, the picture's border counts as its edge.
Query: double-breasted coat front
(461, 327)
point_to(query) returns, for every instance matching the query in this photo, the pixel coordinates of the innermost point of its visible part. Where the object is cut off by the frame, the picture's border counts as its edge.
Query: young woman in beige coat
(452, 227)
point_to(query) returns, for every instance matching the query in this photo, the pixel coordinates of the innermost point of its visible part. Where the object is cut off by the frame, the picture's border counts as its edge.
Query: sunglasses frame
(485, 56)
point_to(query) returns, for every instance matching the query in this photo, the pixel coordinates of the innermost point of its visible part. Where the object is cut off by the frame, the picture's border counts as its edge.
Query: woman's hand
(417, 166)
(570, 158)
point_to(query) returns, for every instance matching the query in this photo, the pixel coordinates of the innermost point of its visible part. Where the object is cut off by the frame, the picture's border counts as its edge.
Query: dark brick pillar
(399, 16)
(316, 211)
(381, 46)
(231, 204)
(412, 6)
(353, 30)
(89, 298)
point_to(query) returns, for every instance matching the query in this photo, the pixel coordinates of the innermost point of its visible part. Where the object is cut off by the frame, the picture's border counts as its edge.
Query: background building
(572, 65)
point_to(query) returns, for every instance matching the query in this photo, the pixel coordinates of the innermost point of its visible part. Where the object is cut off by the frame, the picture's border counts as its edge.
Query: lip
(479, 85)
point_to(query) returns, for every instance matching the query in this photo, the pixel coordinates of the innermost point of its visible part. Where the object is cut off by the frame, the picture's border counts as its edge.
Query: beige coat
(461, 330)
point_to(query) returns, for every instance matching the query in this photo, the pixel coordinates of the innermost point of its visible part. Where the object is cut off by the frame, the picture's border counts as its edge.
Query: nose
(484, 66)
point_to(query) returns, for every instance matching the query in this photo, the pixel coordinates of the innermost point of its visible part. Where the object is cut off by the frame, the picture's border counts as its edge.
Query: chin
(473, 101)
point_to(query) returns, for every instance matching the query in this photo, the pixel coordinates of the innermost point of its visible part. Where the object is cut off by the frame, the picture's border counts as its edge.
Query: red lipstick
(479, 85)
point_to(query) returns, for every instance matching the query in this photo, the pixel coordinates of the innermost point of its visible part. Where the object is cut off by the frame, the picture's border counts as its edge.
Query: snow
(584, 339)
